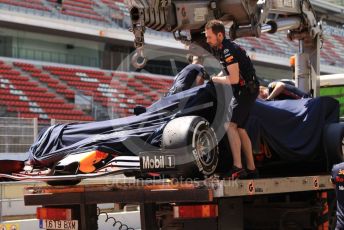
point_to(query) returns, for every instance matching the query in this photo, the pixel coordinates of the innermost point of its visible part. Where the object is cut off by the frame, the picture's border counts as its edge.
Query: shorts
(241, 104)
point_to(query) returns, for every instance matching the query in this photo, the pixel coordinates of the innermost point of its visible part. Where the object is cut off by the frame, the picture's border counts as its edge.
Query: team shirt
(338, 179)
(231, 53)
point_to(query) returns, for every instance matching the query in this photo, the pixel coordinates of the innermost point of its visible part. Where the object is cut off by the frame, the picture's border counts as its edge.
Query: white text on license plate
(59, 224)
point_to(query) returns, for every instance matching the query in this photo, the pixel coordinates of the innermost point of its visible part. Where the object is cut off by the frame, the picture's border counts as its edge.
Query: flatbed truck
(302, 202)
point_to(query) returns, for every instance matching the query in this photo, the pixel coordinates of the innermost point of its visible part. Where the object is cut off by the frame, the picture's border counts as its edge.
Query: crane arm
(248, 18)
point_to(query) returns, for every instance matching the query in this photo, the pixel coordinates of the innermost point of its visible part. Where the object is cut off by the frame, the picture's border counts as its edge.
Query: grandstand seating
(31, 4)
(120, 91)
(44, 91)
(28, 99)
(113, 11)
(332, 52)
(117, 6)
(276, 44)
(46, 78)
(80, 8)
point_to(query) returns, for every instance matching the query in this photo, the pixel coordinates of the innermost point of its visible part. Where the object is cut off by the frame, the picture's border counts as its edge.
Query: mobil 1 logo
(156, 161)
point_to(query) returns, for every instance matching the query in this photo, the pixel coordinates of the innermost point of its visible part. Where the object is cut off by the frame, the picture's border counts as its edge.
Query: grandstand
(70, 61)
(48, 92)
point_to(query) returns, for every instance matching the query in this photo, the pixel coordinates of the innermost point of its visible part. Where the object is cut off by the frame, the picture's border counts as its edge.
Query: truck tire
(194, 143)
(333, 143)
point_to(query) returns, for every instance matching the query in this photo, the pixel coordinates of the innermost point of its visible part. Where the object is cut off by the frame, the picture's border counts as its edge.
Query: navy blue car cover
(129, 135)
(292, 128)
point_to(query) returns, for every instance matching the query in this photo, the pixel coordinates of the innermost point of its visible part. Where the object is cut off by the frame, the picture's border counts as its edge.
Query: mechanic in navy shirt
(338, 179)
(238, 71)
(192, 75)
(278, 90)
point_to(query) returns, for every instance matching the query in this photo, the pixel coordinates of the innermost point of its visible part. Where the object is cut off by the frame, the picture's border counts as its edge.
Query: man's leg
(234, 142)
(247, 148)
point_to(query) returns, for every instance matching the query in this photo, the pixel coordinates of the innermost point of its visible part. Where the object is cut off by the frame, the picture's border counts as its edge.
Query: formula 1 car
(183, 135)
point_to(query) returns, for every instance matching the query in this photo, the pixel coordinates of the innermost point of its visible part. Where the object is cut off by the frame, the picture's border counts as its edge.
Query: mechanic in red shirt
(278, 90)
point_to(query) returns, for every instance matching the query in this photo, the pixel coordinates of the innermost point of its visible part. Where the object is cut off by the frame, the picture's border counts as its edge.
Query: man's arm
(220, 74)
(278, 89)
(199, 80)
(233, 77)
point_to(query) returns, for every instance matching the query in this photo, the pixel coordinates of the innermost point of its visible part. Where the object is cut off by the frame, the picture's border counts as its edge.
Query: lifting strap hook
(139, 60)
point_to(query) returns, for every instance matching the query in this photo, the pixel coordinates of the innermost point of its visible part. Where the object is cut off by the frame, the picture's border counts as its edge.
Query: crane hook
(139, 60)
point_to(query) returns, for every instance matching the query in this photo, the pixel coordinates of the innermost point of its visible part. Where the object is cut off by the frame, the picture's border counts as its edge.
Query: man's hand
(211, 77)
(206, 76)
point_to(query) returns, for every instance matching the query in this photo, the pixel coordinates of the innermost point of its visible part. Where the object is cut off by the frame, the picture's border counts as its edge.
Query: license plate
(156, 161)
(59, 224)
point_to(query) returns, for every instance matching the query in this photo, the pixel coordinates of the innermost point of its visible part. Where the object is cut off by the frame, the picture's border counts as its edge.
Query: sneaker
(252, 174)
(235, 173)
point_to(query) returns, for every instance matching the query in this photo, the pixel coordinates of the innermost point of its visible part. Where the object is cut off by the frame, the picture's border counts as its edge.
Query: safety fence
(18, 134)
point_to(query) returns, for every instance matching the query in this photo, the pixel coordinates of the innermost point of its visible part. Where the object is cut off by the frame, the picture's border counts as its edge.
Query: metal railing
(53, 14)
(57, 121)
(17, 134)
(57, 57)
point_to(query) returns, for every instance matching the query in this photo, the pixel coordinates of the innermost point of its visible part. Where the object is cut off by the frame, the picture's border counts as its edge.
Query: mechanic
(192, 75)
(238, 72)
(278, 90)
(337, 178)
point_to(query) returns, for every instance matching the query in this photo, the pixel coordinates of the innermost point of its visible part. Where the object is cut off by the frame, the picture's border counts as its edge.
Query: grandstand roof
(104, 31)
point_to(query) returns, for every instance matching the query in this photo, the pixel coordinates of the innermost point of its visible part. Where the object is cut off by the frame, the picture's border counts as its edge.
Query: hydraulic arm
(186, 20)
